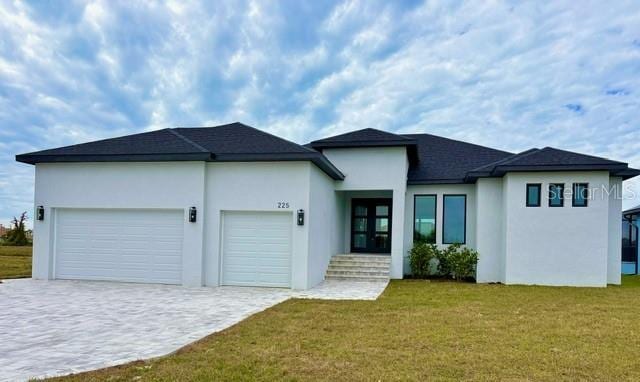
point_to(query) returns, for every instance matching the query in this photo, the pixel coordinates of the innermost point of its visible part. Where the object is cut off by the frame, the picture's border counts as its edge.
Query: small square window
(533, 194)
(580, 196)
(556, 194)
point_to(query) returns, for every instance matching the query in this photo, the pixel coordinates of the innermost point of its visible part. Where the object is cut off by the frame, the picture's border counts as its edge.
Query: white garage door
(120, 245)
(256, 249)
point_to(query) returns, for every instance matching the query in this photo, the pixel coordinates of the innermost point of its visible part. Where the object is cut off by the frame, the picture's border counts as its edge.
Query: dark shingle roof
(237, 138)
(444, 160)
(435, 159)
(360, 137)
(367, 138)
(363, 138)
(432, 159)
(232, 142)
(551, 159)
(153, 142)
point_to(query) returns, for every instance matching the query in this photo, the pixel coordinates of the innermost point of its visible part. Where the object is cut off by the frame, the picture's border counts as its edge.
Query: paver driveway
(59, 327)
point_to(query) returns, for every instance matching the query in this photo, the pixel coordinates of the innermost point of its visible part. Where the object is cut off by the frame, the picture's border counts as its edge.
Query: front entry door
(371, 225)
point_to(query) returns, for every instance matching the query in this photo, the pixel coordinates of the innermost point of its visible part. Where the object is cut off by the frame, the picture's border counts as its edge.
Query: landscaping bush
(421, 257)
(453, 261)
(444, 255)
(462, 262)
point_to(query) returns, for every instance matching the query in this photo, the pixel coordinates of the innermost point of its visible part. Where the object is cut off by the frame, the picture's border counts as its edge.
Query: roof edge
(75, 158)
(313, 156)
(614, 169)
(365, 143)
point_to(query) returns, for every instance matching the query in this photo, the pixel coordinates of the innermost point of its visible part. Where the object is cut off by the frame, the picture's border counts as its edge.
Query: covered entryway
(371, 225)
(119, 245)
(256, 248)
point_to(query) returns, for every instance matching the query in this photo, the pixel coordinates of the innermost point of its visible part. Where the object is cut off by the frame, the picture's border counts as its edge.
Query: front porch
(373, 231)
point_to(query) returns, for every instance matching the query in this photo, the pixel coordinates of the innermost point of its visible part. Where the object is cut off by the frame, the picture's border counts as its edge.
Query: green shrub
(462, 262)
(454, 261)
(444, 262)
(420, 258)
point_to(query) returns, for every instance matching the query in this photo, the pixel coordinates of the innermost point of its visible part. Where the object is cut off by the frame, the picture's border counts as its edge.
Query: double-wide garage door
(120, 245)
(256, 249)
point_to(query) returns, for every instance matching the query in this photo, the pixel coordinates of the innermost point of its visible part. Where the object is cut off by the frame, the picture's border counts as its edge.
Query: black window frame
(573, 194)
(561, 185)
(435, 217)
(444, 204)
(539, 187)
(371, 229)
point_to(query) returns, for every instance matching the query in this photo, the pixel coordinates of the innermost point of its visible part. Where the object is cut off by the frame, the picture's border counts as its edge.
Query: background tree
(17, 235)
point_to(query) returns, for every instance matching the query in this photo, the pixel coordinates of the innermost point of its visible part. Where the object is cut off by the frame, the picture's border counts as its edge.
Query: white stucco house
(232, 205)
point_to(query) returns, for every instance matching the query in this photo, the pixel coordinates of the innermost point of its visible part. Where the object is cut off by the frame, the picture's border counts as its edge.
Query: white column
(614, 255)
(193, 239)
(397, 233)
(43, 241)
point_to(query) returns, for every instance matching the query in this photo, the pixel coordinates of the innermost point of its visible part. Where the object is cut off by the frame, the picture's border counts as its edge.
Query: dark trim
(444, 197)
(371, 229)
(620, 169)
(435, 217)
(319, 145)
(539, 187)
(435, 181)
(69, 158)
(561, 185)
(563, 167)
(627, 173)
(573, 195)
(631, 211)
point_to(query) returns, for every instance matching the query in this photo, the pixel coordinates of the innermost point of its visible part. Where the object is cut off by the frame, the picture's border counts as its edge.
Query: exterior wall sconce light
(40, 213)
(192, 215)
(300, 217)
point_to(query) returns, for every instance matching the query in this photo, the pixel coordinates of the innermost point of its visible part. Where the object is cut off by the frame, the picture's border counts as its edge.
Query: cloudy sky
(510, 75)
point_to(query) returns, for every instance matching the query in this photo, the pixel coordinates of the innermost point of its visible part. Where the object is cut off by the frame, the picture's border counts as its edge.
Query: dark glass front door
(371, 225)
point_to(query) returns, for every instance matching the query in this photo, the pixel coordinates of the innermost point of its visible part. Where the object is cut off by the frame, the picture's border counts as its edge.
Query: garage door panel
(257, 249)
(120, 245)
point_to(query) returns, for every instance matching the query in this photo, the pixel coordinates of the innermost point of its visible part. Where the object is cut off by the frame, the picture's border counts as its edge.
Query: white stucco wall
(257, 186)
(440, 190)
(326, 224)
(379, 169)
(160, 185)
(614, 258)
(490, 239)
(555, 245)
(211, 188)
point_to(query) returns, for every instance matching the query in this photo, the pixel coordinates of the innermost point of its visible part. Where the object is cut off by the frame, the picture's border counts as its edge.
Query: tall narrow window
(556, 194)
(454, 219)
(424, 220)
(580, 195)
(533, 194)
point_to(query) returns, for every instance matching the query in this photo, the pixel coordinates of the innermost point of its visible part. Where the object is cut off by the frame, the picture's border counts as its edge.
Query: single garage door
(121, 245)
(256, 249)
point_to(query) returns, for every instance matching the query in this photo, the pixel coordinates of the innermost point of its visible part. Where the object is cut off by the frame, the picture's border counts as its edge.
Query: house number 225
(283, 204)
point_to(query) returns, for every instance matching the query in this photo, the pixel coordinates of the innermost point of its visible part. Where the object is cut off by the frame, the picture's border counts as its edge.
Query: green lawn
(419, 330)
(15, 262)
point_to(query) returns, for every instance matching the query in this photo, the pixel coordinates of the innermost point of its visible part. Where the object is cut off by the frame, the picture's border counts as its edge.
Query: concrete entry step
(359, 267)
